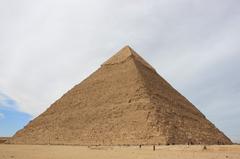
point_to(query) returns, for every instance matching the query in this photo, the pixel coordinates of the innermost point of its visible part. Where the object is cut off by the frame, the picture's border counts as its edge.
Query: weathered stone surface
(3, 140)
(125, 102)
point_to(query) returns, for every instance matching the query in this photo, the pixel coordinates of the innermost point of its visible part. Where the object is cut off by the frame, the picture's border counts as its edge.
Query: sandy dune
(132, 152)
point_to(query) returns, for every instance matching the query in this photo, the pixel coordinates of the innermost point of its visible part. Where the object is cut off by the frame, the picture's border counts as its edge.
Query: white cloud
(2, 97)
(2, 116)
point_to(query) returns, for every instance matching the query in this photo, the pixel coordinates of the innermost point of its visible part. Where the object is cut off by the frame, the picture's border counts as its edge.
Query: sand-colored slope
(109, 107)
(180, 121)
(125, 102)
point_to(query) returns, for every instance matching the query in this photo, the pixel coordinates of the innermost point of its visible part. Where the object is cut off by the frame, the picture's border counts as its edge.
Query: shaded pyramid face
(125, 102)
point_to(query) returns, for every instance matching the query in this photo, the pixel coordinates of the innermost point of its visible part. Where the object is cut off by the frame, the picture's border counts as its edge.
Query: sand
(116, 152)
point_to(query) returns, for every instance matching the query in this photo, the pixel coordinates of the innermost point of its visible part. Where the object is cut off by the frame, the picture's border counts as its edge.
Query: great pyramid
(125, 102)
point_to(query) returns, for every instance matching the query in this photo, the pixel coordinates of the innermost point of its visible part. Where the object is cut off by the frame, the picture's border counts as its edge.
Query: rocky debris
(3, 140)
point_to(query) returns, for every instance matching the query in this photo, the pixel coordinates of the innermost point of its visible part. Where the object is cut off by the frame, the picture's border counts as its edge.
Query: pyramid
(125, 102)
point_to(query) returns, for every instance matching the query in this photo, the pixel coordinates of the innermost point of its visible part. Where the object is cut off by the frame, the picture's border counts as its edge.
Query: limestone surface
(125, 102)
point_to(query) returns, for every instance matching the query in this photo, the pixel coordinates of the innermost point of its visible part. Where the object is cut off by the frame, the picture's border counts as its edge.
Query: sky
(48, 46)
(11, 120)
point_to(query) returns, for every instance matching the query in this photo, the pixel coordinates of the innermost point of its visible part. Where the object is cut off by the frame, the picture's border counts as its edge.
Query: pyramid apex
(125, 53)
(120, 56)
(128, 47)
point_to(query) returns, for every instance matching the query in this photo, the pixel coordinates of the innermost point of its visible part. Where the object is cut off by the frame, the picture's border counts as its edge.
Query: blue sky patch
(11, 120)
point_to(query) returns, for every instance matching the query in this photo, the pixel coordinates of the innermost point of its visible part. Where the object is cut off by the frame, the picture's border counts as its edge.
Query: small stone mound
(3, 140)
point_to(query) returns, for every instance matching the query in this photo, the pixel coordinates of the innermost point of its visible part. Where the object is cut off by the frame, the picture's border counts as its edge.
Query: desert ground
(118, 152)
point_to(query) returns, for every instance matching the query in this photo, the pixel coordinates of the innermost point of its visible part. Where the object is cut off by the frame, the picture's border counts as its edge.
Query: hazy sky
(48, 46)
